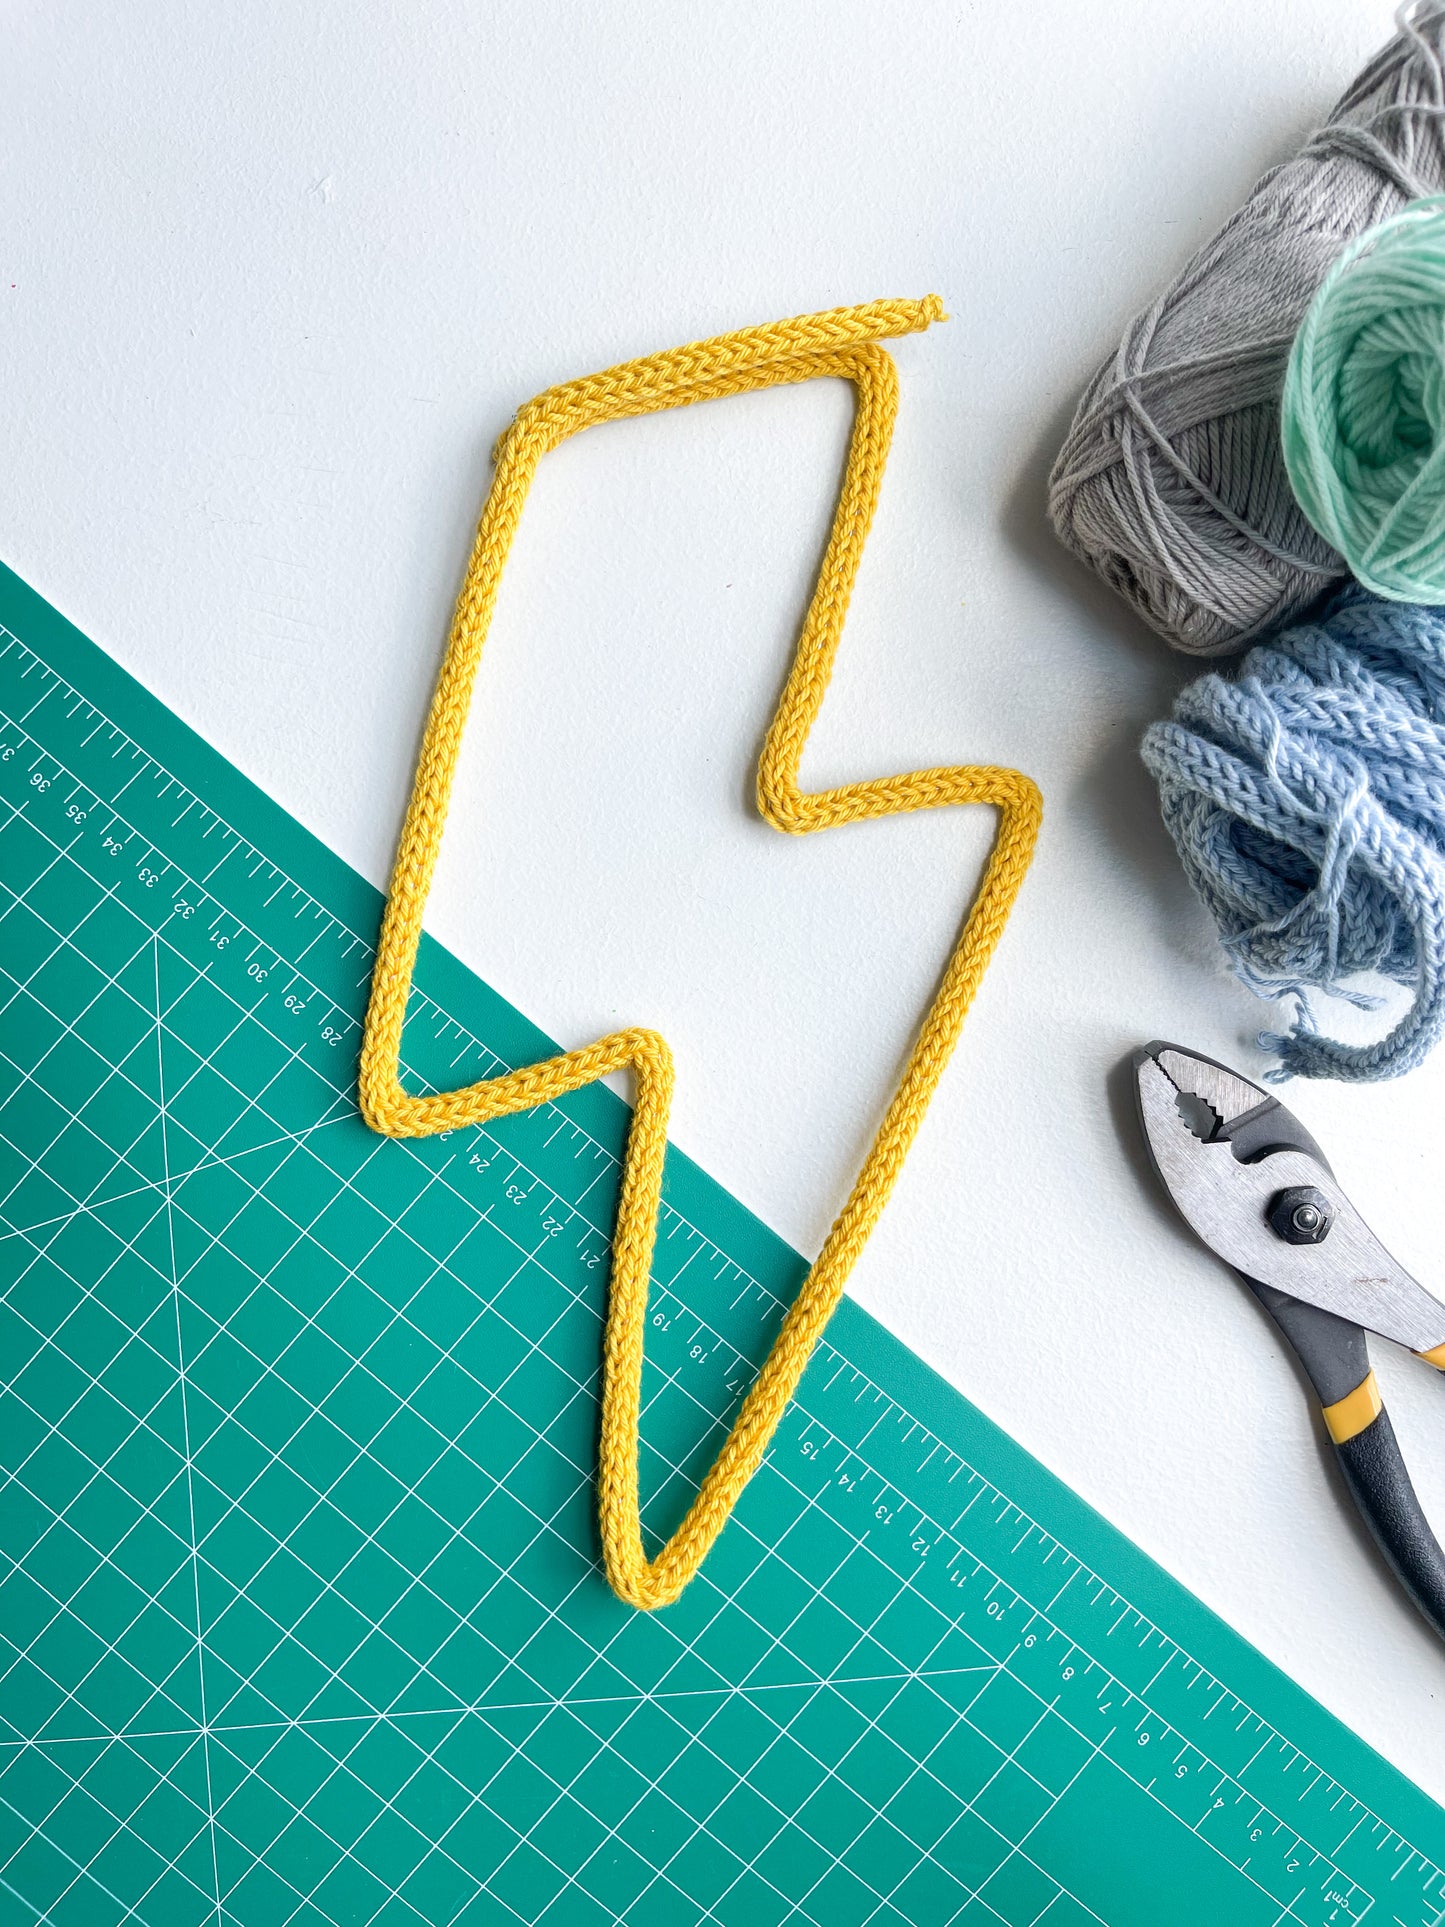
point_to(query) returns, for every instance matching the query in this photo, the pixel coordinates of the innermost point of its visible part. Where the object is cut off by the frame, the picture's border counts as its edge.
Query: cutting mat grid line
(300, 1609)
(157, 979)
(493, 1063)
(259, 1362)
(150, 944)
(158, 1016)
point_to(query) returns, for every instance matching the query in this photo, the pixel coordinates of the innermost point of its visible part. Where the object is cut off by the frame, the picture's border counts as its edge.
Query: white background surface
(271, 280)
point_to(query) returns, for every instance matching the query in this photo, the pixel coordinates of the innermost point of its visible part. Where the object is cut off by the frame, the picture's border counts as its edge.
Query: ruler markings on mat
(300, 1615)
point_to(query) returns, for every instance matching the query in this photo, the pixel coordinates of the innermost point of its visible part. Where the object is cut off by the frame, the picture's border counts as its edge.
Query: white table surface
(272, 277)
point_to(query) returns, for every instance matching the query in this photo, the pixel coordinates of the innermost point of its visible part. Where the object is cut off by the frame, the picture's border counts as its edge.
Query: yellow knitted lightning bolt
(843, 342)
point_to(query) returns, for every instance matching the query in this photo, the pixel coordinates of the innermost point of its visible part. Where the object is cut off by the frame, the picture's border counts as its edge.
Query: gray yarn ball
(1171, 482)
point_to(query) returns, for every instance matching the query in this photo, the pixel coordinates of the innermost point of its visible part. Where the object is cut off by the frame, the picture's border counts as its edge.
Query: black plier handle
(1366, 1447)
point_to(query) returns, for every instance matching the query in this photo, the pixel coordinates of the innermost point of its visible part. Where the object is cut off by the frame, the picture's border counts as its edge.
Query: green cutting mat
(300, 1614)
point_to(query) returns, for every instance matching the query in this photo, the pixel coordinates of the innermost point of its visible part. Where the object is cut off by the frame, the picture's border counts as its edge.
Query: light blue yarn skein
(1307, 802)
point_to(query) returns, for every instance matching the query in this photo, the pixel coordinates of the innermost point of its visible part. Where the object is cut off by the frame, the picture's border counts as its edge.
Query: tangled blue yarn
(1307, 801)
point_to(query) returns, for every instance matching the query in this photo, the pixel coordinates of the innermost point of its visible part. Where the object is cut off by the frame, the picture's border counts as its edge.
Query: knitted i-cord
(842, 343)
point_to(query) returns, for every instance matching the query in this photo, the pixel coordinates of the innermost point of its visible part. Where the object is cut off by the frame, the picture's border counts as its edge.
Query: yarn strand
(841, 343)
(1172, 482)
(1307, 802)
(1362, 421)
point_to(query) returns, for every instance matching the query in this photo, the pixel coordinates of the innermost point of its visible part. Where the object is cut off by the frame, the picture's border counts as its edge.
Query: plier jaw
(1253, 1184)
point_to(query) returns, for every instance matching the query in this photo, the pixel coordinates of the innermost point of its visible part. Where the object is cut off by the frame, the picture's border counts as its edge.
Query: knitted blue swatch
(1307, 800)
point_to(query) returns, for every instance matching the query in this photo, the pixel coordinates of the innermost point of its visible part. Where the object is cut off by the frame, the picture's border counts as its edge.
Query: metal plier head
(1251, 1181)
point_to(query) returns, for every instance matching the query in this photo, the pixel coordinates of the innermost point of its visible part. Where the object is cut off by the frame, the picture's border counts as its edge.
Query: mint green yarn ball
(1363, 415)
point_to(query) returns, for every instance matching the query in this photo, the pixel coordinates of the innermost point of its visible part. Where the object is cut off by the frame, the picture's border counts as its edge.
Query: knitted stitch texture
(1307, 801)
(843, 342)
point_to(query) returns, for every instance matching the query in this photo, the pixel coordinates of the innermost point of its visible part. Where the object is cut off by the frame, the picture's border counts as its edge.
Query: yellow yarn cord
(843, 342)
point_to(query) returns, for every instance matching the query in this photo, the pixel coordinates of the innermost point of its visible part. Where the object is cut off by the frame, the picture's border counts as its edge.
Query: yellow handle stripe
(841, 343)
(1350, 1415)
(1435, 1357)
